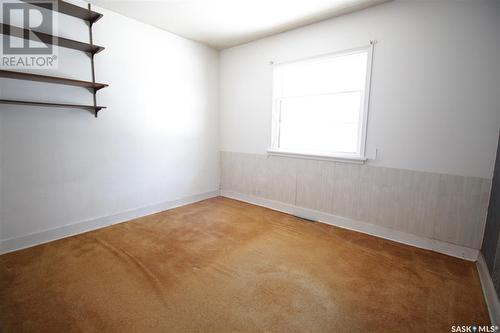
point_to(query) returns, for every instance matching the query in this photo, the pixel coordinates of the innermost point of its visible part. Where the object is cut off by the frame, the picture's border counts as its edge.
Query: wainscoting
(443, 207)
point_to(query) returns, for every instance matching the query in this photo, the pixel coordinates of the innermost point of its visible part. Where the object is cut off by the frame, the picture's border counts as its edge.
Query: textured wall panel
(444, 207)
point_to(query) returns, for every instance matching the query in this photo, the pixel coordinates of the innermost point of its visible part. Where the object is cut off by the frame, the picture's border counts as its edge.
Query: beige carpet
(225, 266)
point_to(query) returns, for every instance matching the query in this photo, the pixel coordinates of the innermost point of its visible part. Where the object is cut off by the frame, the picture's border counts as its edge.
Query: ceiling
(225, 23)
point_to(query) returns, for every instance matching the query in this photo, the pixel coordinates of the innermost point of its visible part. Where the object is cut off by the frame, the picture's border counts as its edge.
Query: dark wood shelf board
(50, 79)
(49, 39)
(68, 9)
(57, 105)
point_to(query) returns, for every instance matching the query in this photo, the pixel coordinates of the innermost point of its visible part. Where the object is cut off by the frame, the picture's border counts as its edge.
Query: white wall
(433, 121)
(434, 108)
(156, 142)
(434, 102)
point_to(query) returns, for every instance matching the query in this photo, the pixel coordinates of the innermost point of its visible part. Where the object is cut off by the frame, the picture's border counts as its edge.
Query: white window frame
(360, 157)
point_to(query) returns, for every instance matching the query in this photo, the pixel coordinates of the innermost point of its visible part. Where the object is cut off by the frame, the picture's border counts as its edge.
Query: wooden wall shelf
(51, 79)
(91, 49)
(69, 9)
(57, 105)
(49, 39)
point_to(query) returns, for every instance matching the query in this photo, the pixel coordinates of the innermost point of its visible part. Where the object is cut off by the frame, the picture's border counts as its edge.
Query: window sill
(321, 157)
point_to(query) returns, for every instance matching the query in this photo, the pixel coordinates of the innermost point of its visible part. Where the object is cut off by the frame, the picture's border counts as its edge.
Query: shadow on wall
(491, 248)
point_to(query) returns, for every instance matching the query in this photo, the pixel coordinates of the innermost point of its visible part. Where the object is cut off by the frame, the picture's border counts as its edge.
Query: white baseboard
(490, 294)
(367, 228)
(17, 243)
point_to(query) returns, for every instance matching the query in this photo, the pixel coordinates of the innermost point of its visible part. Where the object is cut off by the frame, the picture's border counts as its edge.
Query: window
(320, 106)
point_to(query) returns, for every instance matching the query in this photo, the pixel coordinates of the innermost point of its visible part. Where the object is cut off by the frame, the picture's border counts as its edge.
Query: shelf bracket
(91, 40)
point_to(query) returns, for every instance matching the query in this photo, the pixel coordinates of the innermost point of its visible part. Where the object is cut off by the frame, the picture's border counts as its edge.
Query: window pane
(332, 74)
(325, 123)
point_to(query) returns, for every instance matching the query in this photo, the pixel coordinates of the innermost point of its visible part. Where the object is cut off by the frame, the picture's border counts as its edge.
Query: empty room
(249, 166)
